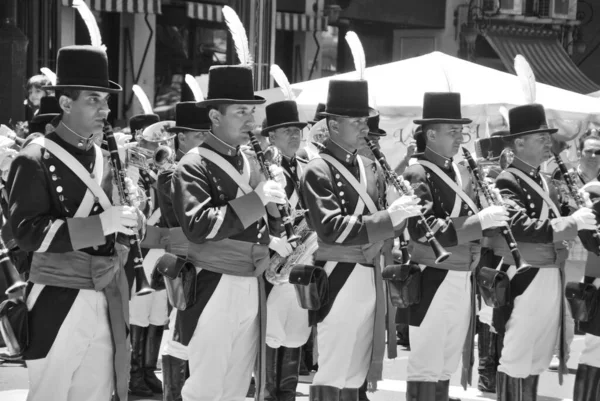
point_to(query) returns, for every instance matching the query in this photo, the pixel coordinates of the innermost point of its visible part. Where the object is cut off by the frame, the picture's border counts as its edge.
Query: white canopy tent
(396, 90)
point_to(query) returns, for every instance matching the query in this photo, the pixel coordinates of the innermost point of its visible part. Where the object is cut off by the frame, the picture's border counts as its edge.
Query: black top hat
(374, 129)
(281, 114)
(230, 84)
(318, 114)
(83, 68)
(142, 121)
(348, 99)
(442, 108)
(526, 120)
(49, 110)
(491, 148)
(188, 117)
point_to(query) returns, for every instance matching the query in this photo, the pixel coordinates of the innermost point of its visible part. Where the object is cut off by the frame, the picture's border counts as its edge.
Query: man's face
(35, 94)
(190, 139)
(350, 132)
(233, 125)
(534, 148)
(590, 154)
(88, 112)
(287, 140)
(445, 139)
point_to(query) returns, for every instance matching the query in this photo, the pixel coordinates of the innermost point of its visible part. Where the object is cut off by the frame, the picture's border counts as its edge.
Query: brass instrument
(138, 157)
(11, 275)
(164, 157)
(119, 174)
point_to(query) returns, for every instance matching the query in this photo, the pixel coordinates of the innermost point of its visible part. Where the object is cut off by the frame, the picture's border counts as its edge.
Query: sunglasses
(589, 152)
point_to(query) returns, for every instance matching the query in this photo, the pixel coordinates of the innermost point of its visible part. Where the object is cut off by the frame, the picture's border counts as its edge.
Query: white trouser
(172, 347)
(79, 365)
(149, 309)
(287, 322)
(532, 329)
(345, 336)
(436, 345)
(223, 348)
(591, 352)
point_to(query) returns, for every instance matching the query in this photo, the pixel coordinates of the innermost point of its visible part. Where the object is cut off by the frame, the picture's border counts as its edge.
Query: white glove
(492, 217)
(121, 219)
(404, 207)
(123, 144)
(278, 174)
(133, 173)
(391, 193)
(585, 219)
(270, 191)
(281, 246)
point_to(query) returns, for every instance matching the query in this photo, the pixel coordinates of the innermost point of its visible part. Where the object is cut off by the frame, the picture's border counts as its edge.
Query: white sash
(456, 187)
(153, 219)
(542, 192)
(241, 180)
(93, 184)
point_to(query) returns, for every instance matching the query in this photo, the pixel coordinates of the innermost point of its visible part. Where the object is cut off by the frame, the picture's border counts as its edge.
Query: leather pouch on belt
(404, 283)
(180, 280)
(494, 286)
(14, 326)
(310, 283)
(582, 299)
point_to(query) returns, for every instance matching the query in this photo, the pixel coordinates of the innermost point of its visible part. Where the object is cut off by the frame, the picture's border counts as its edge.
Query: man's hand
(281, 246)
(270, 191)
(119, 219)
(585, 219)
(492, 217)
(404, 207)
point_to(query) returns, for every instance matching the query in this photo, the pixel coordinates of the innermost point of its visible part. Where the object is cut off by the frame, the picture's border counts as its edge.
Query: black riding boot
(512, 389)
(587, 384)
(442, 390)
(420, 391)
(137, 384)
(271, 374)
(324, 393)
(488, 359)
(289, 366)
(174, 376)
(362, 392)
(152, 349)
(349, 394)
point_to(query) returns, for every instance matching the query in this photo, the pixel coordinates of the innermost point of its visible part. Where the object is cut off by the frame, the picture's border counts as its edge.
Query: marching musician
(220, 205)
(47, 113)
(191, 126)
(60, 190)
(148, 313)
(345, 198)
(287, 323)
(533, 321)
(444, 317)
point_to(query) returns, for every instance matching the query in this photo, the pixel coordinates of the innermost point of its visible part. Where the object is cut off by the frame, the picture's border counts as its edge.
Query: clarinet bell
(520, 264)
(142, 286)
(440, 253)
(13, 279)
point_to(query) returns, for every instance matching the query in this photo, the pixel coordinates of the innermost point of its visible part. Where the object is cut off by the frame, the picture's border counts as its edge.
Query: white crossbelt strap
(153, 219)
(542, 192)
(456, 187)
(241, 180)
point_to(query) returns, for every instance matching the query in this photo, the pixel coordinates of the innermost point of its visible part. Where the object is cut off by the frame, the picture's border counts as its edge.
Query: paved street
(13, 382)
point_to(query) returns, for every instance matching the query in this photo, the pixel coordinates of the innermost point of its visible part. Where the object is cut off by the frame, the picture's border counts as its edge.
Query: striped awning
(550, 62)
(285, 21)
(122, 6)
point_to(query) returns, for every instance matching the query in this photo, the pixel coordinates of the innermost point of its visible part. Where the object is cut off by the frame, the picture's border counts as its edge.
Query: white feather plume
(526, 78)
(358, 53)
(193, 84)
(49, 74)
(143, 99)
(238, 33)
(281, 79)
(90, 22)
(504, 113)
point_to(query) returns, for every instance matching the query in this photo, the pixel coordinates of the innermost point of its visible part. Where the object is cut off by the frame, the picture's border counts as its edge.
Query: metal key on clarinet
(493, 199)
(288, 224)
(440, 253)
(119, 173)
(573, 192)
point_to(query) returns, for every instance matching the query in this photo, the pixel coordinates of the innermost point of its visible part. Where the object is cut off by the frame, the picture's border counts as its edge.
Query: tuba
(164, 157)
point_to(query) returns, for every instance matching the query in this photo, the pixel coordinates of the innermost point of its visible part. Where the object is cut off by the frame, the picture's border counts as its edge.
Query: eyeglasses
(590, 152)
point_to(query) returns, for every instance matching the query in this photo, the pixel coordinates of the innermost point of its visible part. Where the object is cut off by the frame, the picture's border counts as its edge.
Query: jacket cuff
(249, 208)
(563, 229)
(592, 265)
(379, 226)
(85, 232)
(468, 228)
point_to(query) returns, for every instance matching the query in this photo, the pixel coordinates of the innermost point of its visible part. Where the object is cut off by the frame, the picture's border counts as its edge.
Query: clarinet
(493, 199)
(119, 174)
(579, 201)
(440, 253)
(288, 224)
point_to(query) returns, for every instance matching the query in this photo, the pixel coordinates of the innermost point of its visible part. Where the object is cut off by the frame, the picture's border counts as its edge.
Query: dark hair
(72, 94)
(38, 82)
(589, 134)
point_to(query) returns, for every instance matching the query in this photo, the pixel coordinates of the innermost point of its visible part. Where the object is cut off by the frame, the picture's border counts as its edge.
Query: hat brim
(113, 87)
(443, 121)
(214, 102)
(40, 118)
(178, 128)
(372, 113)
(265, 131)
(379, 132)
(535, 131)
